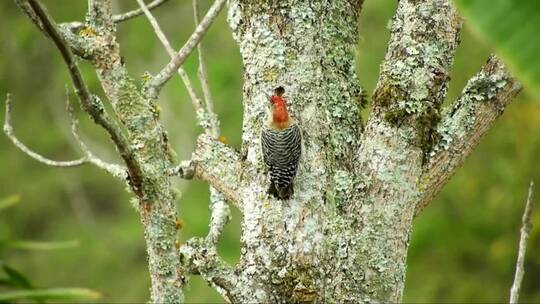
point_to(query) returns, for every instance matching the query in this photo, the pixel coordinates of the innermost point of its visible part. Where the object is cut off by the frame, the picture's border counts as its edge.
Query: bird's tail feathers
(282, 193)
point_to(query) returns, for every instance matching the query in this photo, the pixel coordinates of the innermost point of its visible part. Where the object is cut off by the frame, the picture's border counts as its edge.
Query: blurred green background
(463, 246)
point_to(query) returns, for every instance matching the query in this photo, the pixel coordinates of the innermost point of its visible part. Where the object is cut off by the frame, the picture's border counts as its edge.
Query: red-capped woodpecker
(281, 142)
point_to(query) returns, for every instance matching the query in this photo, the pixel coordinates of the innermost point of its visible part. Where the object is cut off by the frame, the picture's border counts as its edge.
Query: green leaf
(38, 245)
(16, 278)
(512, 28)
(9, 201)
(50, 294)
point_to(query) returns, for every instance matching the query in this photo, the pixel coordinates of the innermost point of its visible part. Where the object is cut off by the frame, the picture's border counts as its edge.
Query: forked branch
(167, 72)
(8, 129)
(203, 117)
(220, 211)
(91, 104)
(201, 258)
(115, 170)
(482, 101)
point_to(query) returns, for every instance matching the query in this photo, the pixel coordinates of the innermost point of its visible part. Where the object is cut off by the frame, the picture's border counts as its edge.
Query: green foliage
(466, 240)
(37, 245)
(15, 278)
(18, 285)
(512, 28)
(50, 294)
(9, 201)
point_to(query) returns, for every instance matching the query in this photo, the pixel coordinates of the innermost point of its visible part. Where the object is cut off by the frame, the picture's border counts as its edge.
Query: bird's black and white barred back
(282, 149)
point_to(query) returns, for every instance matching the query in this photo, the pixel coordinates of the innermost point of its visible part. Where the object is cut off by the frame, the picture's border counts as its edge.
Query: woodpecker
(281, 142)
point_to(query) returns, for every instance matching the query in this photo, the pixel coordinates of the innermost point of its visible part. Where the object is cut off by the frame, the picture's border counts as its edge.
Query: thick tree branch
(100, 15)
(416, 70)
(167, 72)
(140, 115)
(220, 216)
(8, 129)
(526, 228)
(218, 164)
(146, 154)
(482, 101)
(201, 258)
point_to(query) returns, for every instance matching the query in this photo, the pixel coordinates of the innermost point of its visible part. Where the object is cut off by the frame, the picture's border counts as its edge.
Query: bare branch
(8, 129)
(115, 170)
(482, 101)
(524, 237)
(137, 12)
(166, 73)
(76, 26)
(220, 210)
(203, 78)
(202, 119)
(208, 120)
(91, 104)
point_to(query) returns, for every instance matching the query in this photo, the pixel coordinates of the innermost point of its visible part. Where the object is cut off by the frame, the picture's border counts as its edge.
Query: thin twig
(167, 72)
(8, 129)
(195, 101)
(91, 104)
(220, 211)
(524, 237)
(137, 12)
(203, 79)
(76, 26)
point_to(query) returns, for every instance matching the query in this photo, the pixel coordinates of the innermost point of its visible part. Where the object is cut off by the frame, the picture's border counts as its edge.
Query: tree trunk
(344, 235)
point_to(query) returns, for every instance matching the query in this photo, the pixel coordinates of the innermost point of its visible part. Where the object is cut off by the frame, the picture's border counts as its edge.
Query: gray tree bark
(344, 235)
